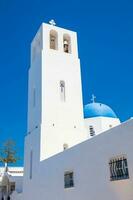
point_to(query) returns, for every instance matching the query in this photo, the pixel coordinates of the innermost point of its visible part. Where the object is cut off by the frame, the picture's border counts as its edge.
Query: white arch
(67, 43)
(53, 39)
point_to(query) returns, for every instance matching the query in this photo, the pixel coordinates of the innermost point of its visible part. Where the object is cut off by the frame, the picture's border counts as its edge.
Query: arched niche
(65, 146)
(67, 43)
(53, 39)
(62, 91)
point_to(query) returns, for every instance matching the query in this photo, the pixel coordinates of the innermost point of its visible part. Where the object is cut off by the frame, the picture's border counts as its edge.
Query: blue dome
(98, 110)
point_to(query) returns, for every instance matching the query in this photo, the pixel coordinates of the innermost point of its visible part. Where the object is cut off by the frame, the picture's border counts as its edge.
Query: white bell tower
(55, 105)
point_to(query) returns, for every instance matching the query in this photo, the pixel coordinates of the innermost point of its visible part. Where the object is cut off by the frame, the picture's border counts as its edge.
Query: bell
(65, 42)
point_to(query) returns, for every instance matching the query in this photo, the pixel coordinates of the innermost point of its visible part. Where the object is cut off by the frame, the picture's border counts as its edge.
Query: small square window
(68, 180)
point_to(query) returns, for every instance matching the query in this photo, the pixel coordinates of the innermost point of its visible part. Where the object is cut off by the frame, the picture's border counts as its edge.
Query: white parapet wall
(89, 162)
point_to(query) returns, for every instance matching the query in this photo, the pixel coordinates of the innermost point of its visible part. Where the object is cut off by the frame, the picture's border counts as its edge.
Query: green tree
(8, 153)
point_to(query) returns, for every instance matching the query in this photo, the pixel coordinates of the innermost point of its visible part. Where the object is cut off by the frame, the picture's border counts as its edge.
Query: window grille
(68, 180)
(92, 131)
(118, 169)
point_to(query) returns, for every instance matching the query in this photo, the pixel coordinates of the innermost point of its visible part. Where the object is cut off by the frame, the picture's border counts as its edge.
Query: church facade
(71, 151)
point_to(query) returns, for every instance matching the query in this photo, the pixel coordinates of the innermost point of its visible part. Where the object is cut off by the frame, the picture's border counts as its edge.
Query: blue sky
(105, 40)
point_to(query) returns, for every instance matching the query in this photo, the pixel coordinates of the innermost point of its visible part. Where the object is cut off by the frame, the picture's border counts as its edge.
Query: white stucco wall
(89, 162)
(60, 121)
(100, 124)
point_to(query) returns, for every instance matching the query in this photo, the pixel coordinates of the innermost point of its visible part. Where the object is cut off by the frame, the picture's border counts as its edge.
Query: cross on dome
(93, 98)
(52, 22)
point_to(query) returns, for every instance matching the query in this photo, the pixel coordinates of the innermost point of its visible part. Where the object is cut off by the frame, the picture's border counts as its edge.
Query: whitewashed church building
(71, 152)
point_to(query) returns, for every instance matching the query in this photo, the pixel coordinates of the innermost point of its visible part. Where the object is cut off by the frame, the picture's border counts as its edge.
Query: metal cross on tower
(52, 22)
(93, 98)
